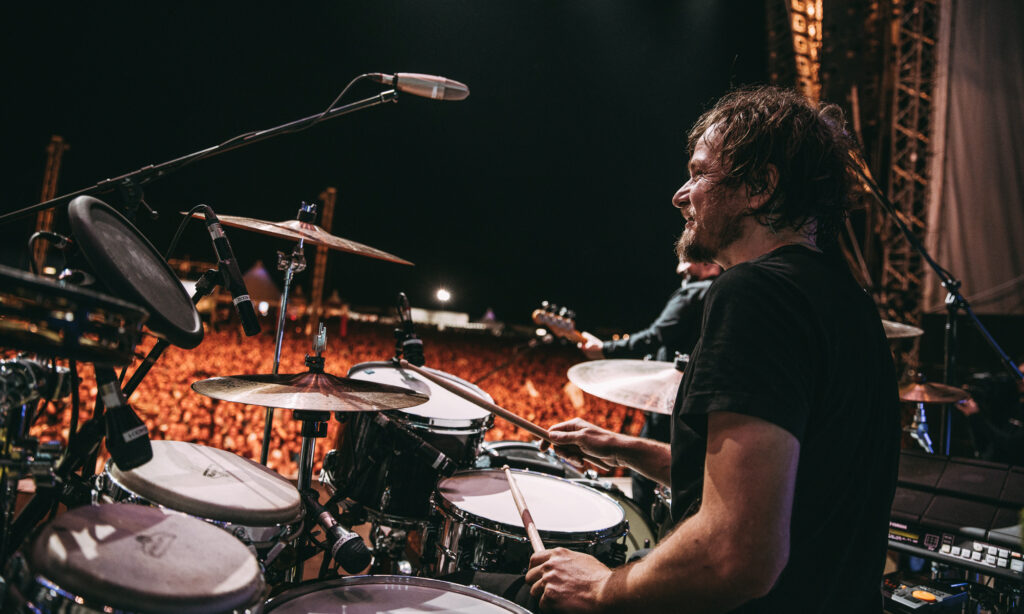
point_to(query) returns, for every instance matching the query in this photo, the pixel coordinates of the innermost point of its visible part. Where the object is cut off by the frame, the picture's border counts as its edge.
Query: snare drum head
(557, 506)
(146, 559)
(384, 594)
(443, 406)
(211, 483)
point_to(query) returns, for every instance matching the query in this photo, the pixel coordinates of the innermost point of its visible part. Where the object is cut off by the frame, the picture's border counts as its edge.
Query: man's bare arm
(729, 552)
(651, 458)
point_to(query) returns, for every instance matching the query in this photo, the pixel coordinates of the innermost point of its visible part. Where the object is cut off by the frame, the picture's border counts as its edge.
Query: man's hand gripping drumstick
(524, 512)
(501, 412)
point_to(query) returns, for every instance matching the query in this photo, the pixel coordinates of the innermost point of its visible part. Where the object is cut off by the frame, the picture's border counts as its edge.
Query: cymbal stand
(314, 426)
(295, 263)
(918, 430)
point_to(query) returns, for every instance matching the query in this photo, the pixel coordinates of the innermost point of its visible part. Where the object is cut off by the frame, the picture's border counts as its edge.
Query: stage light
(541, 332)
(264, 308)
(443, 295)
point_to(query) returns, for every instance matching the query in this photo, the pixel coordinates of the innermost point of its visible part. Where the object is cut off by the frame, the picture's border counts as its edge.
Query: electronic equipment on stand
(964, 516)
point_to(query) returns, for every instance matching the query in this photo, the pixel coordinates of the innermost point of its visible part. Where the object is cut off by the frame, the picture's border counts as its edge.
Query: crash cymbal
(895, 330)
(311, 233)
(309, 392)
(931, 393)
(643, 384)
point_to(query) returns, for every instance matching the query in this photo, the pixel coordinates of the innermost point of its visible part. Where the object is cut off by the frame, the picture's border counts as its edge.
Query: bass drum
(374, 467)
(383, 594)
(643, 533)
(130, 558)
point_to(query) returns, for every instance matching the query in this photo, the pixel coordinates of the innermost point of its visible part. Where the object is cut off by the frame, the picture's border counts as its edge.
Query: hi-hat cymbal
(309, 392)
(310, 233)
(895, 330)
(932, 393)
(643, 384)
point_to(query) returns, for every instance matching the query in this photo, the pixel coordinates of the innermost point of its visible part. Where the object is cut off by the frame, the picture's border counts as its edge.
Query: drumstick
(524, 512)
(501, 412)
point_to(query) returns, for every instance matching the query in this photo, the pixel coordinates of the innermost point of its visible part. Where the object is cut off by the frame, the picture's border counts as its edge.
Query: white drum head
(442, 405)
(390, 594)
(556, 505)
(137, 558)
(211, 483)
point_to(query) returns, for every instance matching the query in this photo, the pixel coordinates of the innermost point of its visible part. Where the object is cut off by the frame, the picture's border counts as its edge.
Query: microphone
(427, 86)
(408, 345)
(345, 547)
(127, 435)
(435, 458)
(232, 277)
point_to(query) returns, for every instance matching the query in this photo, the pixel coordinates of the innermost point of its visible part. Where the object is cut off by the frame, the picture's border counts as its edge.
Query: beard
(716, 237)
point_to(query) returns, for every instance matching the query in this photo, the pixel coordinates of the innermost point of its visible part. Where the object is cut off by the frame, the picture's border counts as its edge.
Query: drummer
(786, 429)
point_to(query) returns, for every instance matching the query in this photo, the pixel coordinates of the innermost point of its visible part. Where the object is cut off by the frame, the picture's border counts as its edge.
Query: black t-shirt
(790, 338)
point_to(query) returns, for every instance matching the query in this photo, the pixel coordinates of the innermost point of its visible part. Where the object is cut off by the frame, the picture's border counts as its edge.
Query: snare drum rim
(366, 580)
(415, 420)
(286, 531)
(449, 510)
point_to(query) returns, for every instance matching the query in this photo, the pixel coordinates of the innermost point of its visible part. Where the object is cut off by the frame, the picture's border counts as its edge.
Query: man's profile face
(714, 213)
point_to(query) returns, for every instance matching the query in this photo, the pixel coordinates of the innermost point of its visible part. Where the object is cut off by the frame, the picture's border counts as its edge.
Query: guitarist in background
(675, 331)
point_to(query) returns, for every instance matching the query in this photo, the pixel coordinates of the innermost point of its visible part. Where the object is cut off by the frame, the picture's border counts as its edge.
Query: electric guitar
(560, 321)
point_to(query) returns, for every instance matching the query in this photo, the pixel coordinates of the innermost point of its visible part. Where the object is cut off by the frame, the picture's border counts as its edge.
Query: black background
(551, 181)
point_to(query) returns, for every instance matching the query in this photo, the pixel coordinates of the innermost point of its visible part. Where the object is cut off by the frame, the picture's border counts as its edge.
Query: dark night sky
(551, 181)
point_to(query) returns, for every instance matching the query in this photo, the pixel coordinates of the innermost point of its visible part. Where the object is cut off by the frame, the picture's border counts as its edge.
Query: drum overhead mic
(427, 86)
(232, 277)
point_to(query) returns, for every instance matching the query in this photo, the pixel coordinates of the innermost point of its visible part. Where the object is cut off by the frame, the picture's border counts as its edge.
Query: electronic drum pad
(127, 266)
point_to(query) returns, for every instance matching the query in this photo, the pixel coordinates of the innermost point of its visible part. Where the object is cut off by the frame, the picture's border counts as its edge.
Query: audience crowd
(530, 381)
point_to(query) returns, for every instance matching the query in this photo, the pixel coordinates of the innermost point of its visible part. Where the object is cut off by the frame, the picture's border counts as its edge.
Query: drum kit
(174, 526)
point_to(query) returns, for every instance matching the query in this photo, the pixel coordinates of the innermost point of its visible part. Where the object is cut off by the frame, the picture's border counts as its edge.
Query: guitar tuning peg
(570, 314)
(545, 305)
(552, 308)
(564, 311)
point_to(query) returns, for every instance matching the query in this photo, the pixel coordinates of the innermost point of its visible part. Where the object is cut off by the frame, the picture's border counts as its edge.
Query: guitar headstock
(559, 320)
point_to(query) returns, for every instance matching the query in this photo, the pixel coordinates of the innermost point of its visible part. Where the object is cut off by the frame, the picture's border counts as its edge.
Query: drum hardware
(918, 430)
(641, 384)
(922, 393)
(519, 421)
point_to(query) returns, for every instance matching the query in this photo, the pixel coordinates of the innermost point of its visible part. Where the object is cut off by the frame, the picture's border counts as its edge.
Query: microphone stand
(131, 183)
(955, 303)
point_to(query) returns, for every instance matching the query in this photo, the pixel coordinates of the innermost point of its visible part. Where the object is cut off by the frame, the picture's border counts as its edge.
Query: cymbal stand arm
(291, 265)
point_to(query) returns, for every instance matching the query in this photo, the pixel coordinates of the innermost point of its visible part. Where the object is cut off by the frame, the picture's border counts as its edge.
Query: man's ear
(758, 200)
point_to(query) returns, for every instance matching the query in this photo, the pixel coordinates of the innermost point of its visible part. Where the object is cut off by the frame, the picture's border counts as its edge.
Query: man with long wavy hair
(785, 435)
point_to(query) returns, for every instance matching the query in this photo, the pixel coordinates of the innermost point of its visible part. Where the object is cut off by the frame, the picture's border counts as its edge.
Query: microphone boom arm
(144, 175)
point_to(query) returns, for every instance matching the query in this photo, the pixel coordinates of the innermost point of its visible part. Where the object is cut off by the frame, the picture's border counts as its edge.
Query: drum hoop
(463, 517)
(414, 420)
(365, 580)
(91, 605)
(123, 494)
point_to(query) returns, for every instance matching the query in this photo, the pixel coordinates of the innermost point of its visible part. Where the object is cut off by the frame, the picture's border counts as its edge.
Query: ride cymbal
(642, 384)
(309, 392)
(310, 233)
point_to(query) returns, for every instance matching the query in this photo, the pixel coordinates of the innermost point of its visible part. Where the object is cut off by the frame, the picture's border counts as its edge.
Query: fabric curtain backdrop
(976, 208)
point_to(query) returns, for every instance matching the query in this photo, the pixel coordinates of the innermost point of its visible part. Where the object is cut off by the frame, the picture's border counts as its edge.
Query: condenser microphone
(344, 546)
(232, 277)
(427, 86)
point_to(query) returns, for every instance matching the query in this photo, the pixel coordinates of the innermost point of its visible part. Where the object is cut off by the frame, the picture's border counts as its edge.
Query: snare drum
(253, 503)
(129, 558)
(481, 528)
(373, 468)
(383, 594)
